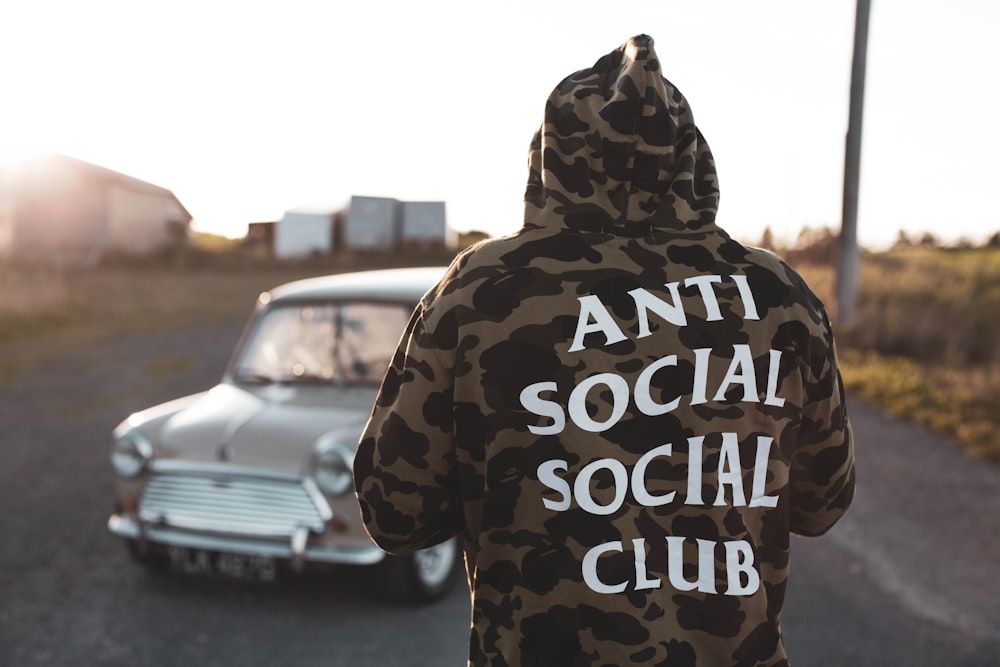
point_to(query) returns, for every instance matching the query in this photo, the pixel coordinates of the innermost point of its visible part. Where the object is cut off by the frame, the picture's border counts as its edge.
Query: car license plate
(221, 564)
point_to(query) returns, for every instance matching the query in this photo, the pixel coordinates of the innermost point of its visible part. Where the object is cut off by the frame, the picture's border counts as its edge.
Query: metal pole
(849, 255)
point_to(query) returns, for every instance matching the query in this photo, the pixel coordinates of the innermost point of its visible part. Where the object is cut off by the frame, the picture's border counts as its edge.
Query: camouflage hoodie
(622, 411)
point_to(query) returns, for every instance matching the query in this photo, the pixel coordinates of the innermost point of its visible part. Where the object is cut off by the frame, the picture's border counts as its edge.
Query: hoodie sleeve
(404, 469)
(822, 473)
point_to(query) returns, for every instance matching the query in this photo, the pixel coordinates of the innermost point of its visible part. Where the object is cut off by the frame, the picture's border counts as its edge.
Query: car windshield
(336, 343)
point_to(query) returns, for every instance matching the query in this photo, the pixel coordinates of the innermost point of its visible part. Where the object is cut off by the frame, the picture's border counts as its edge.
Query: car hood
(273, 426)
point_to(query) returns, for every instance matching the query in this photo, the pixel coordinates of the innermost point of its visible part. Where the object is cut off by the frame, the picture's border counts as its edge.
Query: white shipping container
(371, 223)
(424, 223)
(300, 234)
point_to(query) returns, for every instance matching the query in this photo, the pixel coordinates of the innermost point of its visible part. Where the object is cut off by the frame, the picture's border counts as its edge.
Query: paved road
(909, 577)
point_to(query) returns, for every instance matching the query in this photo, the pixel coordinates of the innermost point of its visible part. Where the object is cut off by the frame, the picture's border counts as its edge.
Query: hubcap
(434, 564)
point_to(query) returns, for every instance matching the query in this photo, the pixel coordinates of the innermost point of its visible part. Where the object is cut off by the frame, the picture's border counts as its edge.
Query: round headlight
(333, 470)
(130, 453)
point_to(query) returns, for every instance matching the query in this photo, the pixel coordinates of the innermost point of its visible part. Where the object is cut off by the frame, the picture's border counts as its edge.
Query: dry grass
(39, 302)
(48, 312)
(32, 291)
(933, 305)
(959, 403)
(163, 368)
(924, 344)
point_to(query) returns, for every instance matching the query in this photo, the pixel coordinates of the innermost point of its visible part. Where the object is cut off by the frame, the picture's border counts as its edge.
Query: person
(621, 411)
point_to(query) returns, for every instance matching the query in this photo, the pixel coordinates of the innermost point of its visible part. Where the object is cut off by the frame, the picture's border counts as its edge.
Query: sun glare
(16, 153)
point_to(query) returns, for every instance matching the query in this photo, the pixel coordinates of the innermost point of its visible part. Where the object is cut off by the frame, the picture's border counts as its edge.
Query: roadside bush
(936, 306)
(924, 344)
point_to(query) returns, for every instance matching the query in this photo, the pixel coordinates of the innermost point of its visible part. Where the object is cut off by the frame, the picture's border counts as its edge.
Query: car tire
(422, 576)
(141, 556)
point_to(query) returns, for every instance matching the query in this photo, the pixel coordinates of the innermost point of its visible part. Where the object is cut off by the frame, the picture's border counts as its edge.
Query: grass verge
(47, 314)
(924, 343)
(953, 402)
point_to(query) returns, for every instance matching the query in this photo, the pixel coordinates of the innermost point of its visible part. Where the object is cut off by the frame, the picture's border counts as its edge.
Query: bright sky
(247, 109)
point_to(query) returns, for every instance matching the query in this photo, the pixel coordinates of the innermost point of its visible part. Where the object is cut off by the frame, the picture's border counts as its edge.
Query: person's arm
(822, 467)
(404, 470)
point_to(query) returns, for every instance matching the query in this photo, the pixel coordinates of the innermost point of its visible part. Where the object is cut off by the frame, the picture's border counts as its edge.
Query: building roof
(48, 162)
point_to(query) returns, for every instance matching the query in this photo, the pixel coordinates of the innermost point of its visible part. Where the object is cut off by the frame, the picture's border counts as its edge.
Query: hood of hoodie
(618, 152)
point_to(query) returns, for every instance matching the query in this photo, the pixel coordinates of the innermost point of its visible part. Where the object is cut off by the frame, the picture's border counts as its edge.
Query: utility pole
(849, 256)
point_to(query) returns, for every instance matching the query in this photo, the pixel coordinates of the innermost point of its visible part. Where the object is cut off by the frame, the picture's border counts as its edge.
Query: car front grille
(234, 504)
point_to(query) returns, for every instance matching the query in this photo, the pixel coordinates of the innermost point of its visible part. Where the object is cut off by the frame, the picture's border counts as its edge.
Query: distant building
(423, 224)
(383, 224)
(369, 225)
(57, 208)
(372, 224)
(304, 232)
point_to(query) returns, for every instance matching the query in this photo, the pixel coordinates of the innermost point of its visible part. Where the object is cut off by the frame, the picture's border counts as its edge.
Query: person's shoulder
(766, 259)
(468, 268)
(763, 262)
(483, 259)
(494, 251)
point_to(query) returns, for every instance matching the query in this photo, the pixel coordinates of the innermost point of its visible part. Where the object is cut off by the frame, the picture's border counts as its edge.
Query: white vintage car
(254, 475)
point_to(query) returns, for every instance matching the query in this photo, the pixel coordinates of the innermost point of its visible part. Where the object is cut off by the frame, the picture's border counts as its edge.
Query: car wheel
(140, 555)
(424, 575)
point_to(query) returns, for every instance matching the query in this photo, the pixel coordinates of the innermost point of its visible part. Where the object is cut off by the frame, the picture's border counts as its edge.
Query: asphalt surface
(909, 576)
